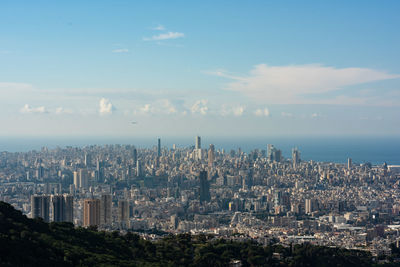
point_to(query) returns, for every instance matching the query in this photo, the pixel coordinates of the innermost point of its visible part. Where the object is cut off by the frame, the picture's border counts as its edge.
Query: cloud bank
(291, 84)
(200, 107)
(27, 109)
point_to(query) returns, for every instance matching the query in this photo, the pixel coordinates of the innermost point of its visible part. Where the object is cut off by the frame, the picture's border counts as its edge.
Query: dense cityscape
(258, 196)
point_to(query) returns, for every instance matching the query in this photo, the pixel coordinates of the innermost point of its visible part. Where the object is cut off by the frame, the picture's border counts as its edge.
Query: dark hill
(31, 242)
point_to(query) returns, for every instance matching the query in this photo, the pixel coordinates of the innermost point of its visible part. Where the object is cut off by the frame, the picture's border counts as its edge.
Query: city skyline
(260, 69)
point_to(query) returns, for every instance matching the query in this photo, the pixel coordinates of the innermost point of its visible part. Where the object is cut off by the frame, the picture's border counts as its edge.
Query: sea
(376, 150)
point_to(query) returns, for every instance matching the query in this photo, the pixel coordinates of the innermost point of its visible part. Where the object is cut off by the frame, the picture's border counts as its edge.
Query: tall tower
(68, 208)
(198, 142)
(211, 155)
(349, 163)
(270, 152)
(84, 178)
(123, 212)
(87, 160)
(204, 187)
(106, 209)
(134, 155)
(295, 157)
(159, 147)
(91, 212)
(138, 168)
(40, 207)
(77, 181)
(58, 208)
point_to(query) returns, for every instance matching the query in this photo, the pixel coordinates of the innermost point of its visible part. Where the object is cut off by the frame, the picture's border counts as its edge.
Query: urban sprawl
(227, 194)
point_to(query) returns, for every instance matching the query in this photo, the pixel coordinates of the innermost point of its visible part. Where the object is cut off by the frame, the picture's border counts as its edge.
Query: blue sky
(259, 68)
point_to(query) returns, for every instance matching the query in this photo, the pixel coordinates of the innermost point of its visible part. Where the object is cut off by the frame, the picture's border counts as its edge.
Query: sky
(186, 68)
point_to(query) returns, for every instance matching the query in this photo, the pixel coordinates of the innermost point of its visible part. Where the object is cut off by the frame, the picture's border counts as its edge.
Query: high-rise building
(40, 173)
(295, 157)
(62, 208)
(84, 178)
(87, 160)
(270, 152)
(310, 205)
(40, 207)
(197, 142)
(99, 170)
(68, 208)
(211, 155)
(138, 168)
(134, 155)
(77, 182)
(204, 187)
(273, 154)
(57, 203)
(106, 209)
(123, 211)
(159, 147)
(349, 163)
(91, 212)
(174, 221)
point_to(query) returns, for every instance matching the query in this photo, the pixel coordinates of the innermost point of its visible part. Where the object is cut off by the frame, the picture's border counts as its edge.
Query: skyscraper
(273, 154)
(134, 155)
(138, 168)
(40, 207)
(91, 212)
(159, 147)
(174, 221)
(295, 157)
(211, 155)
(106, 209)
(349, 163)
(204, 187)
(63, 208)
(87, 160)
(84, 178)
(270, 152)
(123, 212)
(68, 208)
(57, 203)
(197, 142)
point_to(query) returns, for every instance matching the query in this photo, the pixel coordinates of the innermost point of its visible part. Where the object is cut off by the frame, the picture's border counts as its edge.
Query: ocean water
(376, 150)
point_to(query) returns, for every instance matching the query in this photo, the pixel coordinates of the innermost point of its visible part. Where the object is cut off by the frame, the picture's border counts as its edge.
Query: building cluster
(230, 194)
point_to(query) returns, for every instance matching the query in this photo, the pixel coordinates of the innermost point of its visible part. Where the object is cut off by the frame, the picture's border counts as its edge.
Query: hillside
(31, 242)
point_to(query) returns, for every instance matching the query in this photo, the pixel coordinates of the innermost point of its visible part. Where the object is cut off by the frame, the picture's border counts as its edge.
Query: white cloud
(168, 107)
(27, 109)
(105, 107)
(291, 84)
(121, 50)
(165, 36)
(227, 110)
(200, 107)
(262, 112)
(61, 110)
(286, 114)
(159, 28)
(145, 110)
(162, 106)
